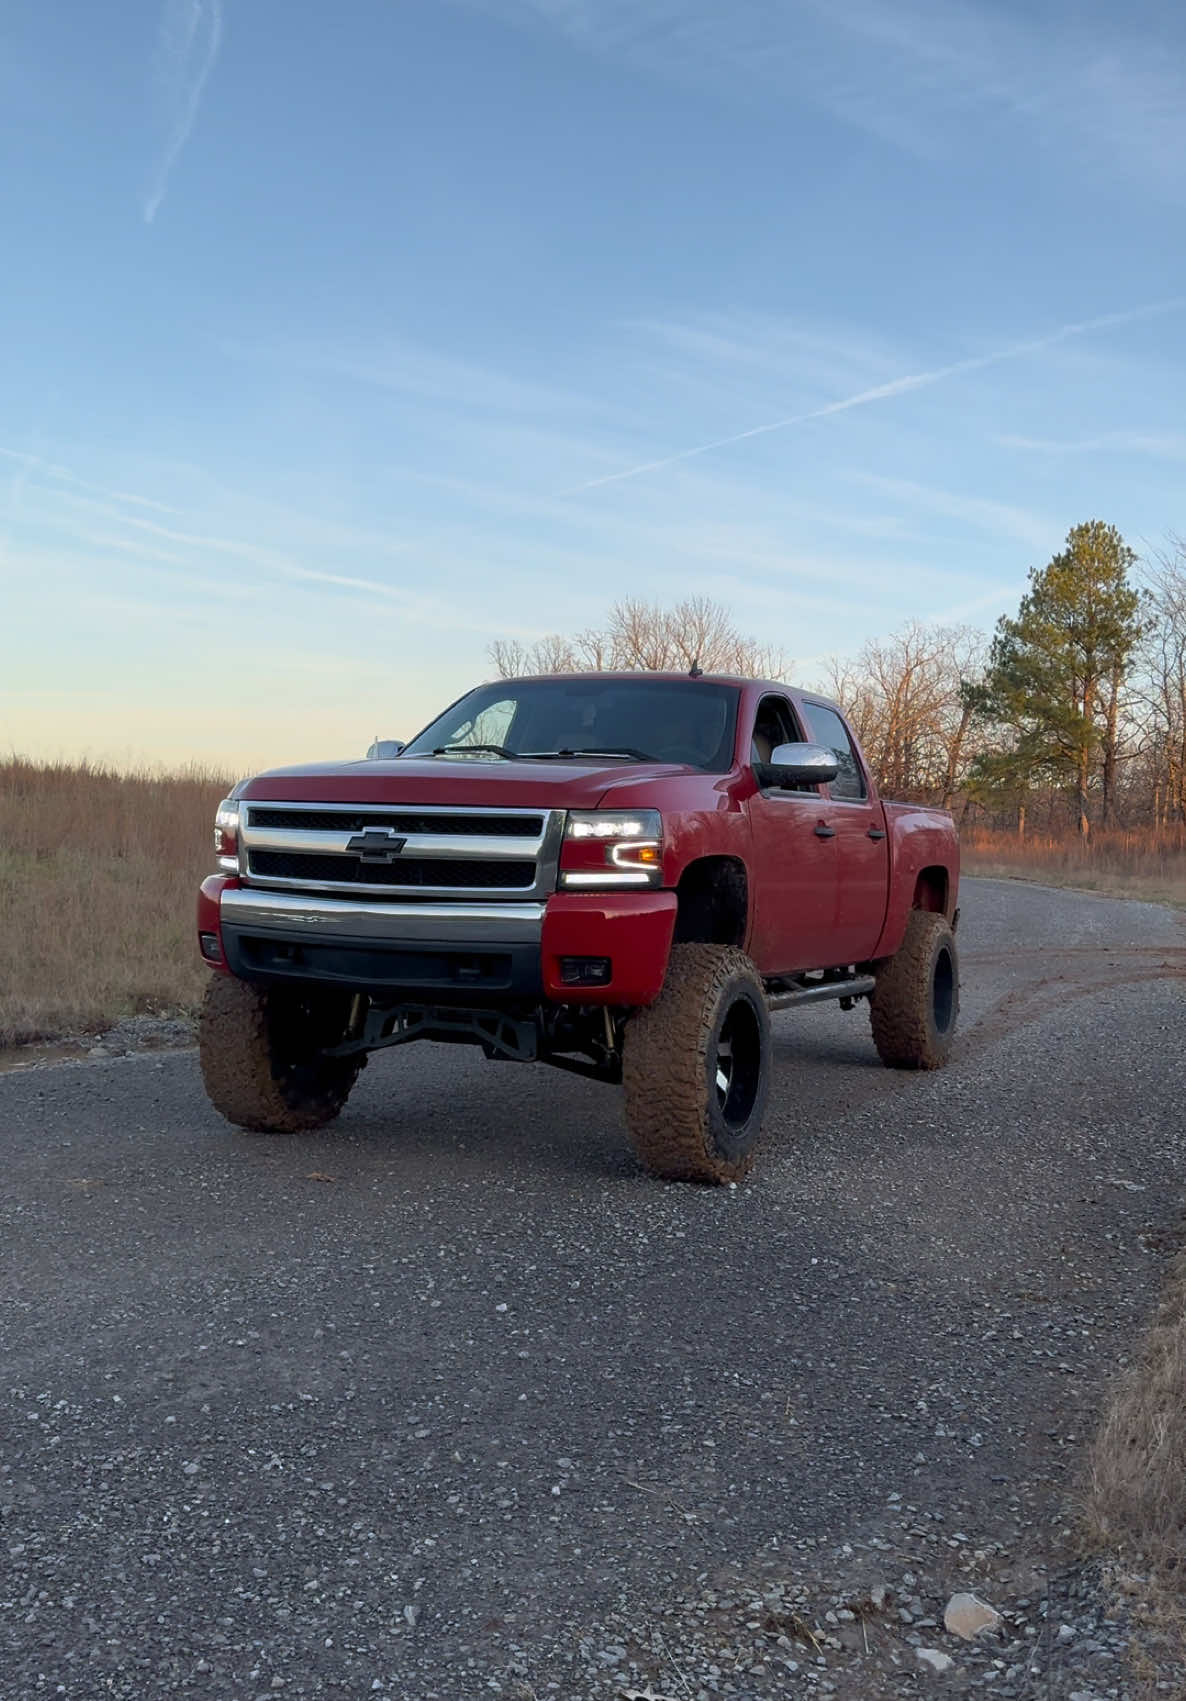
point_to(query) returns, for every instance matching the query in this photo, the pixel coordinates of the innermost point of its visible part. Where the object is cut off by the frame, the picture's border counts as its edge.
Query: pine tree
(1056, 671)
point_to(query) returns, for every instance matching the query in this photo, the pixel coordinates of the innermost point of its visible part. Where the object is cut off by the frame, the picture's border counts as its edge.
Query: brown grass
(1136, 1494)
(1149, 864)
(98, 877)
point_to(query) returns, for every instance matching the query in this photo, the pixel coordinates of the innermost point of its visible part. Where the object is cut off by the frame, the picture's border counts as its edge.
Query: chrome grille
(350, 819)
(518, 877)
(400, 850)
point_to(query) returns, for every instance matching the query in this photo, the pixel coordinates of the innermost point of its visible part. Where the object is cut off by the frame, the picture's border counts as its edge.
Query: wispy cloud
(36, 466)
(1161, 445)
(188, 39)
(386, 362)
(13, 502)
(772, 348)
(920, 74)
(895, 387)
(132, 536)
(1002, 519)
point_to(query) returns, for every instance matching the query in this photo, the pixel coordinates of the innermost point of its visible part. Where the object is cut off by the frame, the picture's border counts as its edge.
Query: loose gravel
(450, 1401)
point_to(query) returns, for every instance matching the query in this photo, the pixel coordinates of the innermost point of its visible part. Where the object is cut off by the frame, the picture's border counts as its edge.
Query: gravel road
(450, 1401)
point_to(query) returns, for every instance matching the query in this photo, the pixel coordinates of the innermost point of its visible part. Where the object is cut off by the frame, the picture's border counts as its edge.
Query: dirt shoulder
(1098, 881)
(133, 1034)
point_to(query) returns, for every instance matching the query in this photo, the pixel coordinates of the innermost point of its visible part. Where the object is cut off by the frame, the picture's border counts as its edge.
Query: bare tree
(550, 654)
(908, 699)
(646, 637)
(511, 658)
(1163, 667)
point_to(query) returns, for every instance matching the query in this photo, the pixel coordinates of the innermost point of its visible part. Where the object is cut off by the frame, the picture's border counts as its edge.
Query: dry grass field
(1136, 1488)
(1149, 865)
(98, 874)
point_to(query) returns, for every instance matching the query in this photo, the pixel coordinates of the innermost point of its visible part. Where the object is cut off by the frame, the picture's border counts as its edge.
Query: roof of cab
(742, 681)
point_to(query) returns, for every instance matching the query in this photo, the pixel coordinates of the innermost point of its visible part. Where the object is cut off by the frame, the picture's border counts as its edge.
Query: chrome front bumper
(449, 951)
(314, 918)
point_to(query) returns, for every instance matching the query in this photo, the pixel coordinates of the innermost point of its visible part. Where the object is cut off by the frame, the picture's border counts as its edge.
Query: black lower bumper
(448, 970)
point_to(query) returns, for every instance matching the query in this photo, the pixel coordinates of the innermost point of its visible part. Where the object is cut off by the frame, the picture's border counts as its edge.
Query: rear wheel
(260, 1049)
(916, 1002)
(696, 1067)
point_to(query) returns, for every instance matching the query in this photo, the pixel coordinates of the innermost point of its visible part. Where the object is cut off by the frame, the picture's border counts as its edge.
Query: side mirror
(796, 765)
(383, 749)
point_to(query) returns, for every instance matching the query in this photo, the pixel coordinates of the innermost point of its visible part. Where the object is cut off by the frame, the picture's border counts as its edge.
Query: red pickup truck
(619, 874)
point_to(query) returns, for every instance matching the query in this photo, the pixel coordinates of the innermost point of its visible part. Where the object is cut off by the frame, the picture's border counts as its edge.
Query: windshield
(590, 718)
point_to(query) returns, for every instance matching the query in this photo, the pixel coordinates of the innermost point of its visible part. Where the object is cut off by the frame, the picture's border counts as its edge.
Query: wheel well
(930, 891)
(713, 898)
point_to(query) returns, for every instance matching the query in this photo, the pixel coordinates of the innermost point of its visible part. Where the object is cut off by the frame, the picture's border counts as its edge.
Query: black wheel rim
(943, 991)
(736, 1072)
(300, 1027)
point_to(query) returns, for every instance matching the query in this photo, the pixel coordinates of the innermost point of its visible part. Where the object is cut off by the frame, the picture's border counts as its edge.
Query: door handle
(876, 833)
(823, 831)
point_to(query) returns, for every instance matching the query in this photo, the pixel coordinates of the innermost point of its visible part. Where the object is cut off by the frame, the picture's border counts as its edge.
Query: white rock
(968, 1615)
(935, 1658)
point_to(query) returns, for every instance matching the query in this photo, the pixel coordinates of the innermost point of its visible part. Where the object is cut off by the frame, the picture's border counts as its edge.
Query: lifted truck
(618, 874)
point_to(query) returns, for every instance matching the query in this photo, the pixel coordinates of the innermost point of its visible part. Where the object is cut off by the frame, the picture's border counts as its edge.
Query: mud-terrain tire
(914, 1008)
(696, 1067)
(259, 1050)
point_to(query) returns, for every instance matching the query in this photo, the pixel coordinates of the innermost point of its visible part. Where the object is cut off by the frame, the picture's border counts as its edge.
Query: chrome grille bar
(476, 849)
(521, 866)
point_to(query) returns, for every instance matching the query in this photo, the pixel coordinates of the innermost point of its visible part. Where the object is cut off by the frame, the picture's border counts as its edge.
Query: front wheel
(914, 1007)
(696, 1067)
(260, 1050)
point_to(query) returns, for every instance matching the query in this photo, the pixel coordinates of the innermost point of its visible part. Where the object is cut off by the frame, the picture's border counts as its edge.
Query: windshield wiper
(626, 751)
(492, 749)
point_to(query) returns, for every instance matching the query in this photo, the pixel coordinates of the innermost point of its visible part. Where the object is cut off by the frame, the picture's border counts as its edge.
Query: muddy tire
(916, 1003)
(696, 1067)
(259, 1049)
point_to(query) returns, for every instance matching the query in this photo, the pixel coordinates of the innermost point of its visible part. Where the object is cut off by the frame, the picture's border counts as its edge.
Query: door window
(826, 728)
(773, 726)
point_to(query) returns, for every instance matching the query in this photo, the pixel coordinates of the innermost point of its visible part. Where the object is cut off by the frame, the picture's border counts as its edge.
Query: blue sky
(340, 341)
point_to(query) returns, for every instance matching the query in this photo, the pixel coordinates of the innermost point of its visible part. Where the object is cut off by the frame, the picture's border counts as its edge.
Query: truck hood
(448, 780)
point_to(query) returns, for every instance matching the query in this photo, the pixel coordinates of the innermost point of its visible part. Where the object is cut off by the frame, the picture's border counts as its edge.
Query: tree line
(1071, 715)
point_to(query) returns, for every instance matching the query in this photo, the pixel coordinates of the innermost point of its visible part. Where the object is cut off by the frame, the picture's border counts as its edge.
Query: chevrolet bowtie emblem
(376, 844)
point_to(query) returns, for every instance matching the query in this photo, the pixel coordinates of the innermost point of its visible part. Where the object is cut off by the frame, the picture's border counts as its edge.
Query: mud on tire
(259, 1049)
(696, 1067)
(914, 1008)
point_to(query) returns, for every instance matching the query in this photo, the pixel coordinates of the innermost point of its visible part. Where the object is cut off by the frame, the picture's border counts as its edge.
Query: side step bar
(791, 995)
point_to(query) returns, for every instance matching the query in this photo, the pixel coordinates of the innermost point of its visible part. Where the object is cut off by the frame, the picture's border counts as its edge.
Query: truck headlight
(226, 835)
(612, 849)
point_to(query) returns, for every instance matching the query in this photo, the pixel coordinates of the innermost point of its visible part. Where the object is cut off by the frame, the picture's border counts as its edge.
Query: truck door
(862, 846)
(794, 873)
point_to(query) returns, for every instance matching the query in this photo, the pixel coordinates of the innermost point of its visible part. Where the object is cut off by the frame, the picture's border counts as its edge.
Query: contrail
(896, 387)
(191, 30)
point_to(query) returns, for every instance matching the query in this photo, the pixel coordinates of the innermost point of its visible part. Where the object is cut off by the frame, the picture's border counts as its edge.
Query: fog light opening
(585, 971)
(211, 949)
